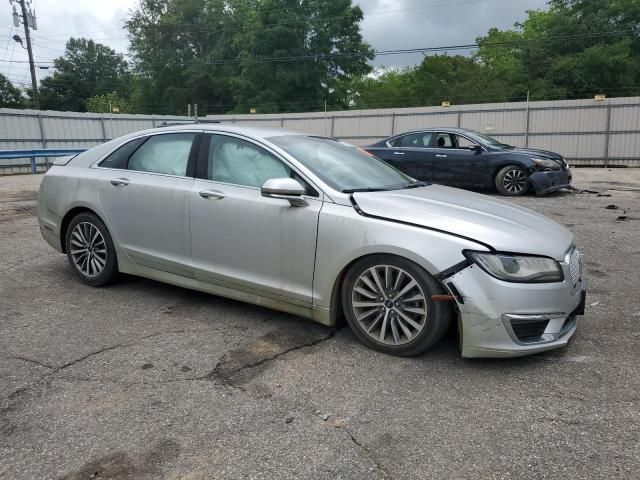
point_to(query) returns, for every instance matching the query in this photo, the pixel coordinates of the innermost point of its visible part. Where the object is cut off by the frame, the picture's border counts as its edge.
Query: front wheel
(512, 181)
(388, 305)
(90, 250)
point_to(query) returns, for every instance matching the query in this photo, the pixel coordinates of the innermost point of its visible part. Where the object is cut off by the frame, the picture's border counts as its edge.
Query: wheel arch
(336, 310)
(66, 220)
(506, 163)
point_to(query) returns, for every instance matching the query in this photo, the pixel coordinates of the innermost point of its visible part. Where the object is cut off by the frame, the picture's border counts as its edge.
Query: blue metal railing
(39, 153)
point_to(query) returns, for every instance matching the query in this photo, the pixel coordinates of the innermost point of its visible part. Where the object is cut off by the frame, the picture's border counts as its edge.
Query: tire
(512, 181)
(428, 320)
(90, 250)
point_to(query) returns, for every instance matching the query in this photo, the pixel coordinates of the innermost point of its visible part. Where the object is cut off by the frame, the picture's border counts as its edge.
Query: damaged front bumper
(502, 319)
(550, 181)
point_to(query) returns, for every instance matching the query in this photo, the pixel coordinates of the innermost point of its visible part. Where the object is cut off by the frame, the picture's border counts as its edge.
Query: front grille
(575, 265)
(529, 330)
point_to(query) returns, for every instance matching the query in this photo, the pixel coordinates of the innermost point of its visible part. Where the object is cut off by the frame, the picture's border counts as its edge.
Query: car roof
(435, 129)
(252, 131)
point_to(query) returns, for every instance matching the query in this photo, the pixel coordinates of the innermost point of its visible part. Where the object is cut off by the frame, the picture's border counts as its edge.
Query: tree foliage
(109, 103)
(575, 49)
(224, 55)
(10, 96)
(295, 55)
(86, 69)
(178, 48)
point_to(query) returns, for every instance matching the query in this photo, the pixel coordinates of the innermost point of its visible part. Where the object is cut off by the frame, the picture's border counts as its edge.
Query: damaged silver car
(321, 229)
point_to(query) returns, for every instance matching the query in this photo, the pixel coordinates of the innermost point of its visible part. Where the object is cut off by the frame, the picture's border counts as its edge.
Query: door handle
(212, 194)
(398, 153)
(120, 182)
(439, 155)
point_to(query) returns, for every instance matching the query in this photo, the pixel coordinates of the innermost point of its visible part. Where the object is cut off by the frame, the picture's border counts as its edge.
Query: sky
(387, 25)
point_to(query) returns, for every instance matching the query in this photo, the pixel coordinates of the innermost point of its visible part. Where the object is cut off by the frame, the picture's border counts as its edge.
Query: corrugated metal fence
(586, 132)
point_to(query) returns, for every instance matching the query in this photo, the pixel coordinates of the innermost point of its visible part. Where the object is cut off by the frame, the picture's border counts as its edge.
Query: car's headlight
(545, 163)
(518, 268)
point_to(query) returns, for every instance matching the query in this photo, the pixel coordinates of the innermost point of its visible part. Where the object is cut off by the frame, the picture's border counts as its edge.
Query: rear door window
(167, 154)
(414, 140)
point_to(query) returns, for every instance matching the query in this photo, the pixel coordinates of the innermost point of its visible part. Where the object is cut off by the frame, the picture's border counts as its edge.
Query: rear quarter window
(119, 158)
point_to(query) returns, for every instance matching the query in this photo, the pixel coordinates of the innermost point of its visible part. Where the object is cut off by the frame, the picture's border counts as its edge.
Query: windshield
(486, 140)
(342, 166)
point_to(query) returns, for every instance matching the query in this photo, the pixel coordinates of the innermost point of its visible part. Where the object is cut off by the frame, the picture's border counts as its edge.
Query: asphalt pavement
(145, 380)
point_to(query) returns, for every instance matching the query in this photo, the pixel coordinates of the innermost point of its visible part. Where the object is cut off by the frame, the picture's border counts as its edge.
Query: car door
(410, 154)
(454, 162)
(144, 193)
(246, 241)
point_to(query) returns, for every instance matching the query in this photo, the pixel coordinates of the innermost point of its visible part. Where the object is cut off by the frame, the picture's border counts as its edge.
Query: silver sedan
(318, 228)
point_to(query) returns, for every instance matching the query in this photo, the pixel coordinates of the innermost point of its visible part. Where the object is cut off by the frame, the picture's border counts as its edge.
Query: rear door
(144, 193)
(410, 154)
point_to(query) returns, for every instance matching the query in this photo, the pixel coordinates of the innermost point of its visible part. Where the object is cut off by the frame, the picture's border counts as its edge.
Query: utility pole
(28, 20)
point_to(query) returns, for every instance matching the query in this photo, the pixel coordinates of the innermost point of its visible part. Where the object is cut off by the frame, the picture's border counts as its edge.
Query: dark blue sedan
(464, 158)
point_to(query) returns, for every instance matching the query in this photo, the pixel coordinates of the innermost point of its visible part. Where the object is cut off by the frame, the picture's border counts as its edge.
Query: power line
(376, 53)
(276, 10)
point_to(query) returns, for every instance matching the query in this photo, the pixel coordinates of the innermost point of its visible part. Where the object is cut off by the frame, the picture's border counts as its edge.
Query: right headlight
(546, 163)
(518, 268)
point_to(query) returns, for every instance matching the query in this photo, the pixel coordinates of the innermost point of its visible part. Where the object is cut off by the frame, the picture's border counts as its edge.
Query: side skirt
(127, 266)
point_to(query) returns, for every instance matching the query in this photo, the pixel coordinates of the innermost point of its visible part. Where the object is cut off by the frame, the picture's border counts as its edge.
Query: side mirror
(475, 148)
(285, 189)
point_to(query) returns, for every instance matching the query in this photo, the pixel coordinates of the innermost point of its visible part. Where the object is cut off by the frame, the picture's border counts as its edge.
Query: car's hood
(502, 225)
(532, 152)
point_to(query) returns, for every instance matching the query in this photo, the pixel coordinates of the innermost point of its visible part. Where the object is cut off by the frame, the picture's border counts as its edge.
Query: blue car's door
(409, 154)
(454, 162)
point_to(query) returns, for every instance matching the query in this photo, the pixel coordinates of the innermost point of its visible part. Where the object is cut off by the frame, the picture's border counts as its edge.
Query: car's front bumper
(550, 181)
(502, 319)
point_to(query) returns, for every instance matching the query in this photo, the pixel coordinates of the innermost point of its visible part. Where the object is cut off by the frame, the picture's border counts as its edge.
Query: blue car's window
(414, 140)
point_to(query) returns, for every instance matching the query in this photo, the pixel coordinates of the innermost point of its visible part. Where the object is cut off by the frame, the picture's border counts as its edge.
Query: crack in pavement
(29, 360)
(226, 377)
(58, 369)
(368, 454)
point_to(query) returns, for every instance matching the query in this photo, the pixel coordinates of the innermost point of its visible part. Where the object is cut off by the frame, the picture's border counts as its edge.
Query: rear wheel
(512, 181)
(90, 250)
(387, 303)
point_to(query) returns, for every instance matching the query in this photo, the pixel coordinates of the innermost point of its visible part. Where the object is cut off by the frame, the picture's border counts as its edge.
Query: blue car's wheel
(512, 180)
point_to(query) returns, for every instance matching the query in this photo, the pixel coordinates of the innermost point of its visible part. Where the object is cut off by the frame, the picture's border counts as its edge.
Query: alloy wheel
(389, 305)
(88, 249)
(514, 181)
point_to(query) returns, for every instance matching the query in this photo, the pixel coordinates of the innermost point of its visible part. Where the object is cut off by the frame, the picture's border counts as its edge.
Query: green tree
(574, 49)
(109, 103)
(297, 54)
(86, 69)
(181, 50)
(10, 96)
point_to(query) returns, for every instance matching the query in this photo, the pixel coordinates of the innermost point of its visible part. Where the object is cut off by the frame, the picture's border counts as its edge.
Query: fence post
(526, 125)
(104, 129)
(34, 165)
(393, 124)
(607, 136)
(153, 122)
(459, 116)
(333, 125)
(282, 122)
(43, 137)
